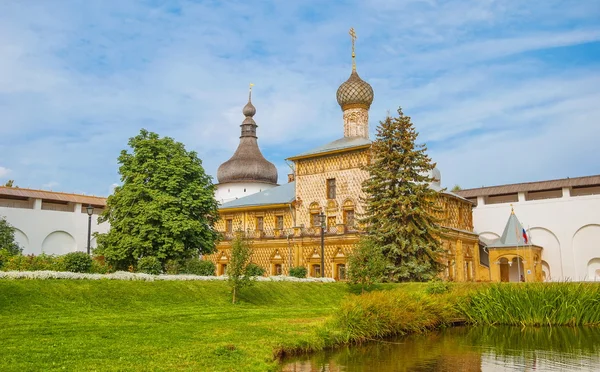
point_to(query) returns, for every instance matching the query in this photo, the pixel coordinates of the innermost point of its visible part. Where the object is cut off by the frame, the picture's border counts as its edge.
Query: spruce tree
(400, 206)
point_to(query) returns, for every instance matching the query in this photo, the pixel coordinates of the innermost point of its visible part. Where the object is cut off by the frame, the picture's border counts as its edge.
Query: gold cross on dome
(353, 36)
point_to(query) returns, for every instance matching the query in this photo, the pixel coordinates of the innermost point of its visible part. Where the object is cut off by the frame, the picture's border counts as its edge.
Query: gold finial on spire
(250, 92)
(353, 36)
(512, 210)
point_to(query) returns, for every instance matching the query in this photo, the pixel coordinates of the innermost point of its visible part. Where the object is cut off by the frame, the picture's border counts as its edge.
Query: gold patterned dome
(355, 93)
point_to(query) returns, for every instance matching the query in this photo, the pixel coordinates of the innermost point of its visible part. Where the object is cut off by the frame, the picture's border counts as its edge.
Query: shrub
(298, 272)
(173, 267)
(383, 314)
(42, 262)
(254, 270)
(437, 286)
(149, 265)
(99, 266)
(17, 263)
(196, 266)
(7, 238)
(366, 264)
(77, 262)
(5, 255)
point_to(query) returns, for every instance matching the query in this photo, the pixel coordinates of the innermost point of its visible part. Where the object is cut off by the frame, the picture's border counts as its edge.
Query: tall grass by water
(380, 314)
(535, 304)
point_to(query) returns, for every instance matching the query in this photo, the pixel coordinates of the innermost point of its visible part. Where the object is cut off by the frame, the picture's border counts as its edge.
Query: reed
(535, 304)
(378, 315)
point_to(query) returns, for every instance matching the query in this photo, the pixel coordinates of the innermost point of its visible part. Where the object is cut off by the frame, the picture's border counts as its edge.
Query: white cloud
(4, 172)
(75, 86)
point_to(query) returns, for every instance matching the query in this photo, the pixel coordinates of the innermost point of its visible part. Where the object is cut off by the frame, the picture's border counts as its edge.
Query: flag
(525, 237)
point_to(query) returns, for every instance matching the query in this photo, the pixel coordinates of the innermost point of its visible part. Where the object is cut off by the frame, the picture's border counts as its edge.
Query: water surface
(466, 349)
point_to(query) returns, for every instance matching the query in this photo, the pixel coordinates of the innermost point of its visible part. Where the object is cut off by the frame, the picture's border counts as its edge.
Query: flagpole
(517, 248)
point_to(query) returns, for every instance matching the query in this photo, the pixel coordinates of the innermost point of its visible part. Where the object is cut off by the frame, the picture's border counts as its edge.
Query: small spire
(512, 210)
(353, 36)
(249, 110)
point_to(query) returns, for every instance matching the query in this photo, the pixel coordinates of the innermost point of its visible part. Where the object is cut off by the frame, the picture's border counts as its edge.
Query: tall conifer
(400, 206)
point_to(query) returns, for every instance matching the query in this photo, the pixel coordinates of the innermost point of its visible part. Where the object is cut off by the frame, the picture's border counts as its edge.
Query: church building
(324, 192)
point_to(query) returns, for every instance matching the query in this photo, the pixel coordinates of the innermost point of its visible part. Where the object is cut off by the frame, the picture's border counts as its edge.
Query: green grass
(535, 304)
(119, 325)
(116, 325)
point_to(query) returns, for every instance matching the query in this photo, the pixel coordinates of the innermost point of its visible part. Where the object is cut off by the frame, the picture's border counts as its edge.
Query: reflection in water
(466, 349)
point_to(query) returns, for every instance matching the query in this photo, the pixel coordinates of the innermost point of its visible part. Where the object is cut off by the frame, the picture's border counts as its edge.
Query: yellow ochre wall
(298, 244)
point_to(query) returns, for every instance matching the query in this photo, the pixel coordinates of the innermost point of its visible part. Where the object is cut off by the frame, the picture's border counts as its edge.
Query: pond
(466, 349)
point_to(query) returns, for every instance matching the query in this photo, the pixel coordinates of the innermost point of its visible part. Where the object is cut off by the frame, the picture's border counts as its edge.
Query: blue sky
(501, 91)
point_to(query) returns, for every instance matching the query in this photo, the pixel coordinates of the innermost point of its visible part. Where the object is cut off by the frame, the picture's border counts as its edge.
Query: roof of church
(337, 145)
(512, 235)
(18, 192)
(283, 194)
(531, 186)
(247, 163)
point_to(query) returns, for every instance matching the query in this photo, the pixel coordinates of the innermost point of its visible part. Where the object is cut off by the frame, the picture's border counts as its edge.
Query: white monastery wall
(568, 228)
(226, 192)
(40, 230)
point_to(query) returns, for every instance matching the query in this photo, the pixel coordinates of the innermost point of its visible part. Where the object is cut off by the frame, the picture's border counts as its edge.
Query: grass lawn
(117, 325)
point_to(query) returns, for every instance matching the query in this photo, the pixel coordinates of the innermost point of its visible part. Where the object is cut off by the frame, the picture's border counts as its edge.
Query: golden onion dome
(355, 93)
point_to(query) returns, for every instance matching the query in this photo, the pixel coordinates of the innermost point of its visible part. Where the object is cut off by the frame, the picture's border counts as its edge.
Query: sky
(500, 91)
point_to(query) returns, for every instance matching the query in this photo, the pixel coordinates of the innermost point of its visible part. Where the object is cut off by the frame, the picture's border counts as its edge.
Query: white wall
(568, 229)
(51, 232)
(230, 191)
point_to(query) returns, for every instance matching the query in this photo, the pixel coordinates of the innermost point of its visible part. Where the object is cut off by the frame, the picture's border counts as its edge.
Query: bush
(383, 314)
(196, 266)
(437, 286)
(77, 262)
(99, 266)
(5, 255)
(149, 265)
(33, 263)
(298, 272)
(173, 267)
(254, 270)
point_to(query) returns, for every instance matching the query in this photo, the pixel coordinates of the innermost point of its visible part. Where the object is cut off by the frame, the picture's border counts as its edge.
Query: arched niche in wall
(59, 242)
(586, 245)
(489, 235)
(546, 273)
(593, 269)
(551, 252)
(22, 240)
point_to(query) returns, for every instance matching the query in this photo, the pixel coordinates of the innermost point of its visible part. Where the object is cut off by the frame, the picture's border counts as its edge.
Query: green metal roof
(512, 235)
(339, 144)
(283, 194)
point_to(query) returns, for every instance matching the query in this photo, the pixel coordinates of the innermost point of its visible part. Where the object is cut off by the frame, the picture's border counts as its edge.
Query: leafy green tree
(10, 183)
(400, 206)
(366, 264)
(7, 239)
(165, 207)
(456, 188)
(237, 268)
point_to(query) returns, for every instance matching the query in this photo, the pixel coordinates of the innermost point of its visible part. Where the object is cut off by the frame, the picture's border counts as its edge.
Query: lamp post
(90, 211)
(322, 220)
